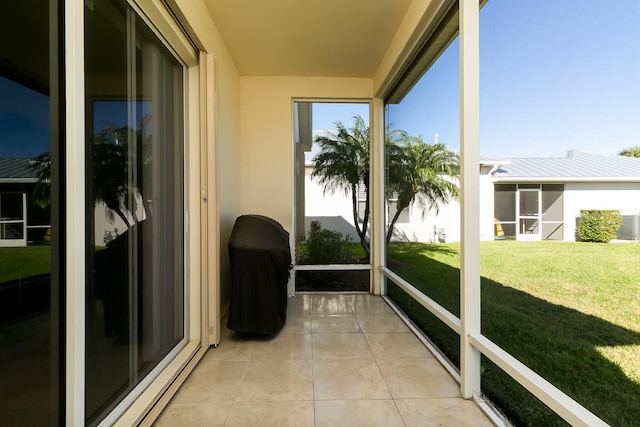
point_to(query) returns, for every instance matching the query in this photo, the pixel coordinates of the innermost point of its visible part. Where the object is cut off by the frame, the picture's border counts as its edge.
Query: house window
(12, 219)
(135, 203)
(392, 206)
(504, 209)
(513, 207)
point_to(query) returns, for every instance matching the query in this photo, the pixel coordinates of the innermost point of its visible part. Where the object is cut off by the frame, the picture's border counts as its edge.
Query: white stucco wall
(333, 211)
(487, 227)
(227, 166)
(622, 196)
(266, 182)
(421, 229)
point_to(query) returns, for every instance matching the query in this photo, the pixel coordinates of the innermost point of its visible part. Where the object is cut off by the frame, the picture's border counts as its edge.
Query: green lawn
(569, 311)
(18, 263)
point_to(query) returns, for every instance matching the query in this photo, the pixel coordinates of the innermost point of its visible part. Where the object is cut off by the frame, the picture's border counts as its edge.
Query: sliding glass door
(135, 203)
(32, 282)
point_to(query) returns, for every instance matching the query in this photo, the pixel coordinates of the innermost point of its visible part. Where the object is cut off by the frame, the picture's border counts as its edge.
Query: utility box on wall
(630, 228)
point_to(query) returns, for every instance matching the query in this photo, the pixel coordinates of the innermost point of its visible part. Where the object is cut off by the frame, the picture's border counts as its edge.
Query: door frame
(520, 218)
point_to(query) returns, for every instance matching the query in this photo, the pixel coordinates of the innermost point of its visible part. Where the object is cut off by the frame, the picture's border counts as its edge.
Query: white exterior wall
(338, 208)
(419, 228)
(487, 226)
(621, 196)
(335, 212)
(227, 166)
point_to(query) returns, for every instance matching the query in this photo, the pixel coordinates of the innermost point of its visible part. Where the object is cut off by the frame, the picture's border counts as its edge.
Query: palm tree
(631, 151)
(417, 172)
(421, 174)
(41, 167)
(112, 158)
(109, 169)
(343, 164)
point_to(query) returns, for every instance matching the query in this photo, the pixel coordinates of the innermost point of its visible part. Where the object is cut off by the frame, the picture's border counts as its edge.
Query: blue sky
(325, 114)
(24, 121)
(555, 75)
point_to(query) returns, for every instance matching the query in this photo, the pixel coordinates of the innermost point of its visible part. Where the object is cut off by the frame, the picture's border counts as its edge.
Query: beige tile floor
(340, 360)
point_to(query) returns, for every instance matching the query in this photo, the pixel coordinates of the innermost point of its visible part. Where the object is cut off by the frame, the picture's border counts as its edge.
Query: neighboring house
(521, 198)
(22, 222)
(541, 198)
(19, 220)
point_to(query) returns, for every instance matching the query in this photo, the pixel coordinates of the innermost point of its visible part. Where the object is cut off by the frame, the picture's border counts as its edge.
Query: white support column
(470, 190)
(376, 190)
(75, 211)
(210, 232)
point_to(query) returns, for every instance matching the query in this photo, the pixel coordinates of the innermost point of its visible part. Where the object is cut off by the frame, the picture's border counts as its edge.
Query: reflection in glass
(421, 190)
(12, 219)
(135, 255)
(31, 386)
(331, 281)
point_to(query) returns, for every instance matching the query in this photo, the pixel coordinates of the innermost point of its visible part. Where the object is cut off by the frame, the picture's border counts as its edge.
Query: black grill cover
(260, 264)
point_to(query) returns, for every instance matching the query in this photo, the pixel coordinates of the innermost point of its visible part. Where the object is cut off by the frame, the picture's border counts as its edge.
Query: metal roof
(489, 160)
(16, 170)
(571, 166)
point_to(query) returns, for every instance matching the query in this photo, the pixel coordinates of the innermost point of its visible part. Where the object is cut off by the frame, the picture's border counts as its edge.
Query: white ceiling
(332, 38)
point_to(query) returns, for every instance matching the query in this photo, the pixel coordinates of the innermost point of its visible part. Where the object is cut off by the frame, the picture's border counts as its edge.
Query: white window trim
(75, 215)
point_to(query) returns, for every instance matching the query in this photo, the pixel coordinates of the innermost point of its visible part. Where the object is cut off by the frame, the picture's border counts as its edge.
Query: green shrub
(326, 246)
(598, 225)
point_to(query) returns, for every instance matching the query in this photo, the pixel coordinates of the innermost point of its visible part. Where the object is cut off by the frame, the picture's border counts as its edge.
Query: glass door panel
(32, 386)
(135, 204)
(529, 214)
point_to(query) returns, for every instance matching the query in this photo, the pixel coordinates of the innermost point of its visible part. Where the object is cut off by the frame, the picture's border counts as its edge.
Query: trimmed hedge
(598, 225)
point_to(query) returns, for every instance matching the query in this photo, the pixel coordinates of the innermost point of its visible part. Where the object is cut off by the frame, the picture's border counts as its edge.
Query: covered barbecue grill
(260, 264)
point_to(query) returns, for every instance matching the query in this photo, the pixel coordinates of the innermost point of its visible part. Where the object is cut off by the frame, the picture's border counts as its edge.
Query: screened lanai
(153, 125)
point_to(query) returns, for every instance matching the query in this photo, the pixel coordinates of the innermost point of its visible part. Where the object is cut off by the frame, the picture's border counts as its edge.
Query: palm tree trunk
(361, 233)
(123, 217)
(393, 224)
(365, 222)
